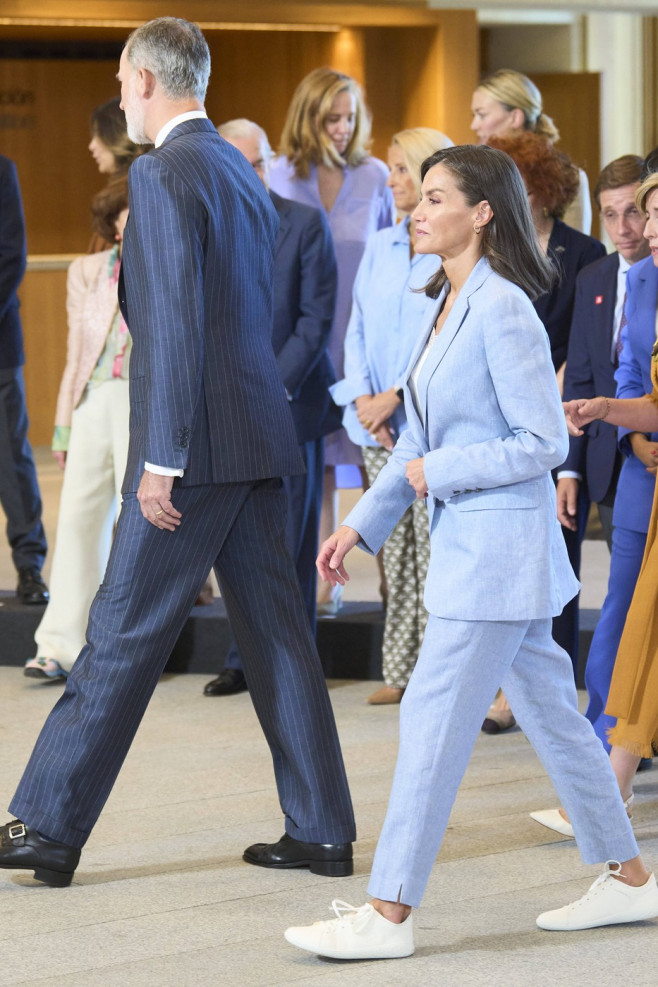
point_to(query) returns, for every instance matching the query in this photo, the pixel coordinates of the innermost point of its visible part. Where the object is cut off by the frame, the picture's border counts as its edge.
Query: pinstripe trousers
(151, 582)
(440, 718)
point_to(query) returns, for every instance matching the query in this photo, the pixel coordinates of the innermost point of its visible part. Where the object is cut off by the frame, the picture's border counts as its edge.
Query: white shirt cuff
(163, 470)
(568, 475)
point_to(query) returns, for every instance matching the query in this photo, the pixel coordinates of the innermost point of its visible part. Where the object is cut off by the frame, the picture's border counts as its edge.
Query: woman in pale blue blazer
(485, 429)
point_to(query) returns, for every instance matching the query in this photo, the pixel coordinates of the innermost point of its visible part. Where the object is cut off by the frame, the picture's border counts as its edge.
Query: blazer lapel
(284, 220)
(448, 333)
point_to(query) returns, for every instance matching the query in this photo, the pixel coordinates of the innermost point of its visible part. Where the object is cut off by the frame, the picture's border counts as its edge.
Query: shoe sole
(324, 868)
(54, 878)
(336, 954)
(622, 920)
(38, 673)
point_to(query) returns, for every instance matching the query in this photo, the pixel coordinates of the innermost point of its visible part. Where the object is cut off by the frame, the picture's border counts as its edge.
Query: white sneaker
(355, 934)
(608, 902)
(552, 818)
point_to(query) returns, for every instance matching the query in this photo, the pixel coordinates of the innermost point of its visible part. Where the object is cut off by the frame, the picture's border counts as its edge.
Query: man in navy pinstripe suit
(210, 436)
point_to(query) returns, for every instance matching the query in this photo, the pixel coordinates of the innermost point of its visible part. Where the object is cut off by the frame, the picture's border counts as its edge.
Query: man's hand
(329, 562)
(154, 496)
(60, 458)
(644, 449)
(583, 411)
(415, 473)
(567, 502)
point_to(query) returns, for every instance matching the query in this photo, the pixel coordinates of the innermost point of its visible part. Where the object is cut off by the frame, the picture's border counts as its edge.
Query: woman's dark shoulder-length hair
(108, 204)
(509, 241)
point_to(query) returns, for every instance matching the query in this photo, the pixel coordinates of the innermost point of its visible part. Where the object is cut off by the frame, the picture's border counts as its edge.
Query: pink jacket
(91, 304)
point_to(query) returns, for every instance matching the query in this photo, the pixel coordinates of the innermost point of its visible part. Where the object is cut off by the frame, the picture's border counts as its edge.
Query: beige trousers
(89, 506)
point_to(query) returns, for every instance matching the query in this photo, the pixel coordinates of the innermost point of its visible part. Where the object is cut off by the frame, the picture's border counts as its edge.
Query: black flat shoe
(327, 859)
(31, 587)
(228, 682)
(22, 848)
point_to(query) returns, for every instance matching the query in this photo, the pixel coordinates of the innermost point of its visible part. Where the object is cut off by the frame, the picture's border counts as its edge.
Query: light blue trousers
(460, 667)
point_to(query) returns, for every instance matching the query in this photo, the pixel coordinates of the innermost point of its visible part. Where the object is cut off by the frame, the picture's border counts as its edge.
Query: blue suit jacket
(205, 392)
(304, 303)
(590, 370)
(490, 427)
(12, 265)
(636, 487)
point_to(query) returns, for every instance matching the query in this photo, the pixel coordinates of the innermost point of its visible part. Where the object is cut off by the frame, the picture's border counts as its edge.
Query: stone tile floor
(163, 898)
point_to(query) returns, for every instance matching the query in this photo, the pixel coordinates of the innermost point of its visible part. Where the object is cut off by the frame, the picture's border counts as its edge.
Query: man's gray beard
(136, 136)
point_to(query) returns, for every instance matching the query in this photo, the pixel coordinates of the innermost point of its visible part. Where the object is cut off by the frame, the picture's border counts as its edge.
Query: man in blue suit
(19, 489)
(304, 303)
(210, 437)
(598, 363)
(594, 460)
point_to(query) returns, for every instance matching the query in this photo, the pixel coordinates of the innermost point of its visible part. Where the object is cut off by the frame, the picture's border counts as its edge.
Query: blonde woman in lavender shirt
(324, 162)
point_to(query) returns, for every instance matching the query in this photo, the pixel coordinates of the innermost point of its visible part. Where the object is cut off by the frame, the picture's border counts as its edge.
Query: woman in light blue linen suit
(485, 428)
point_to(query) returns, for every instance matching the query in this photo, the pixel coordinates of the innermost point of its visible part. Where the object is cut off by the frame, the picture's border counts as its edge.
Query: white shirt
(181, 118)
(415, 373)
(623, 270)
(159, 140)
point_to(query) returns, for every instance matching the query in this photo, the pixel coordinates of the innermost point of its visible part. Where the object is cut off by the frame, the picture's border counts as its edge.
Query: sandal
(44, 668)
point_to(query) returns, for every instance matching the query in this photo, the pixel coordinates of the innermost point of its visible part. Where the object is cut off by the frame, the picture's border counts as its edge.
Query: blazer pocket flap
(515, 497)
(137, 389)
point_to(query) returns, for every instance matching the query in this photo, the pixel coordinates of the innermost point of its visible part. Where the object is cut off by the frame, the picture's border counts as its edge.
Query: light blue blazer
(490, 427)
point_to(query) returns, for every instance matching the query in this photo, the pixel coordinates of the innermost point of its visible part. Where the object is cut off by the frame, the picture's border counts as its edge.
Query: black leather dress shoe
(22, 848)
(227, 682)
(31, 587)
(327, 859)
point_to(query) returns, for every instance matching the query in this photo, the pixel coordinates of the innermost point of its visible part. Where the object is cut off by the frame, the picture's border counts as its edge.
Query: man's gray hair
(177, 54)
(240, 128)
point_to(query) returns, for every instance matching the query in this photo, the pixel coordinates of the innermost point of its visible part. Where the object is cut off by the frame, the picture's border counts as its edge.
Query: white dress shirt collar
(181, 118)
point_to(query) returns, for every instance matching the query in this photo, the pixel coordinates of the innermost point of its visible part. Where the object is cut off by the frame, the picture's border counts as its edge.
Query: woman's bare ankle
(392, 911)
(633, 872)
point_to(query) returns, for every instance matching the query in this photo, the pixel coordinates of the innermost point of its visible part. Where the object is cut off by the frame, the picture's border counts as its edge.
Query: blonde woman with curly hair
(324, 162)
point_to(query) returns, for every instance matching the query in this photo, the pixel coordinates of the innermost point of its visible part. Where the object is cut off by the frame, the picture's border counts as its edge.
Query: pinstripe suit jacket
(196, 292)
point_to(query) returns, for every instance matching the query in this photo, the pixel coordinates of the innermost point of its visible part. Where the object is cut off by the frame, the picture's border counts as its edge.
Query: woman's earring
(476, 230)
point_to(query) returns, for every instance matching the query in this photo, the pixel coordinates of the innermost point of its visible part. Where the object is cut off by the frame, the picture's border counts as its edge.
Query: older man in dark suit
(19, 489)
(210, 437)
(304, 303)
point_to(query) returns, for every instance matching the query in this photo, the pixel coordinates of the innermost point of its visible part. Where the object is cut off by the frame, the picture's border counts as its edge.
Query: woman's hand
(415, 473)
(645, 450)
(384, 435)
(374, 410)
(60, 458)
(583, 411)
(329, 562)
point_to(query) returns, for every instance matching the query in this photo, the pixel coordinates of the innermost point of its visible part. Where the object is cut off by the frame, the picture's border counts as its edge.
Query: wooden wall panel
(573, 100)
(48, 142)
(43, 311)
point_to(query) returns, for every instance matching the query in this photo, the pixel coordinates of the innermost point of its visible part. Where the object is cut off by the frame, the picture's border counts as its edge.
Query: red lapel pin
(598, 300)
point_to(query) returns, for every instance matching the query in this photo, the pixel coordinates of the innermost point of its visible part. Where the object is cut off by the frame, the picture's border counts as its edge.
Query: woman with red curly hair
(551, 181)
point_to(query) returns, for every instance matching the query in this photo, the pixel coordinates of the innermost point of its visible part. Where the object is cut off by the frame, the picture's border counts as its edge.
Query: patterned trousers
(406, 558)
